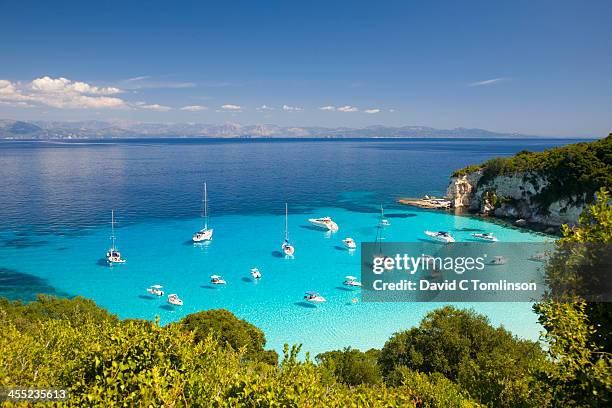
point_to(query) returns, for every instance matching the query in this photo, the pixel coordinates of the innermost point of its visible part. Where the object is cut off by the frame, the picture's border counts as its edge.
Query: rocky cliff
(513, 197)
(549, 188)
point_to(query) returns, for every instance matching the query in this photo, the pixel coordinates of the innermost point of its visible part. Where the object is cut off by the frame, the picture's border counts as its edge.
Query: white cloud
(60, 93)
(372, 110)
(263, 108)
(391, 110)
(138, 78)
(194, 108)
(328, 108)
(155, 107)
(288, 108)
(47, 85)
(487, 82)
(348, 108)
(231, 107)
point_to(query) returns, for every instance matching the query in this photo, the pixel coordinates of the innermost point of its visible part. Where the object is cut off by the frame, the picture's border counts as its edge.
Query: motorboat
(324, 222)
(287, 248)
(173, 299)
(217, 280)
(349, 243)
(383, 221)
(351, 281)
(113, 256)
(156, 290)
(486, 236)
(539, 257)
(255, 273)
(206, 233)
(440, 236)
(498, 260)
(314, 297)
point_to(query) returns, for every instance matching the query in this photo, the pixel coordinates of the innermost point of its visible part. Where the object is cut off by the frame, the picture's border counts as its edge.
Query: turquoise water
(160, 252)
(56, 227)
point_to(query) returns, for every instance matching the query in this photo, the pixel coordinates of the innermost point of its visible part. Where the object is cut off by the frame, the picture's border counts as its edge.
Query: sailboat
(205, 234)
(113, 256)
(288, 249)
(383, 221)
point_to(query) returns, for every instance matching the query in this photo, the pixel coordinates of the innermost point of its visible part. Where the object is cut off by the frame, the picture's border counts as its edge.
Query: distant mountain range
(12, 129)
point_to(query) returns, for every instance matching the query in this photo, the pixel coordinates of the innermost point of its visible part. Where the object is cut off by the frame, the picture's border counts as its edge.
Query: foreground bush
(106, 362)
(489, 363)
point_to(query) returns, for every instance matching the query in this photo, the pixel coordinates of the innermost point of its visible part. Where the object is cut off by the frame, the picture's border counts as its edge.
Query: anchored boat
(113, 256)
(205, 234)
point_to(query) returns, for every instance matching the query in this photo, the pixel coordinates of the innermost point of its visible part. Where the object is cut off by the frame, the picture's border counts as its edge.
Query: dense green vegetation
(230, 332)
(579, 330)
(576, 170)
(104, 361)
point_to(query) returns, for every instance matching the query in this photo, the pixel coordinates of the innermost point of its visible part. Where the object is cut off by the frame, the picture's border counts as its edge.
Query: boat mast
(205, 207)
(286, 223)
(113, 230)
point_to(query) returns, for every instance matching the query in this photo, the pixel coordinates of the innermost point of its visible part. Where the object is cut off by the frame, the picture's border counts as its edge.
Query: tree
(579, 333)
(351, 366)
(489, 363)
(230, 331)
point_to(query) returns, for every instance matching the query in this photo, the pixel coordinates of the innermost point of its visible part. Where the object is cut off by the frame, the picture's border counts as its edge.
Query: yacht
(255, 273)
(539, 257)
(173, 299)
(324, 222)
(498, 260)
(314, 297)
(383, 221)
(156, 290)
(217, 280)
(113, 256)
(349, 243)
(205, 234)
(441, 236)
(351, 281)
(487, 236)
(287, 248)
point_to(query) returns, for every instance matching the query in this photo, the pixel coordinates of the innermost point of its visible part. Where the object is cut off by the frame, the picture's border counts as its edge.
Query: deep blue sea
(56, 199)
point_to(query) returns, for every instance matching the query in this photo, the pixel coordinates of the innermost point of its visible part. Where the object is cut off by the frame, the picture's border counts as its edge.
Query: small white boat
(314, 297)
(539, 257)
(441, 236)
(255, 273)
(349, 243)
(205, 234)
(498, 260)
(324, 222)
(173, 299)
(113, 256)
(287, 248)
(351, 281)
(156, 290)
(383, 221)
(486, 236)
(217, 280)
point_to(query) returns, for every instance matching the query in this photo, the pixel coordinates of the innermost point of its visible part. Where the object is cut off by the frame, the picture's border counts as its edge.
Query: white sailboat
(113, 256)
(383, 221)
(205, 234)
(288, 249)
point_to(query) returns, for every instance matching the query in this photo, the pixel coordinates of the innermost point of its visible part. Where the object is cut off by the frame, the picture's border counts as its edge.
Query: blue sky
(536, 67)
